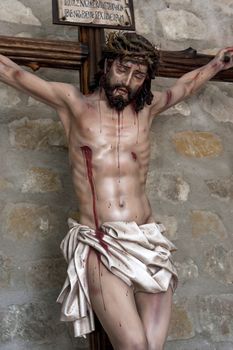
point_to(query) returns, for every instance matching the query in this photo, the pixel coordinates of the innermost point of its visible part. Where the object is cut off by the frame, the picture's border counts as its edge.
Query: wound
(134, 156)
(216, 65)
(168, 97)
(18, 73)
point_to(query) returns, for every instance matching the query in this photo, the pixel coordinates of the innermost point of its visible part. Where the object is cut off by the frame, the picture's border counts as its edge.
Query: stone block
(46, 274)
(173, 188)
(181, 108)
(198, 144)
(179, 2)
(181, 25)
(170, 224)
(181, 326)
(74, 214)
(215, 317)
(5, 266)
(141, 24)
(194, 344)
(20, 15)
(224, 346)
(32, 102)
(205, 223)
(219, 264)
(5, 184)
(41, 180)
(221, 188)
(225, 6)
(37, 134)
(187, 270)
(62, 342)
(34, 321)
(24, 35)
(26, 221)
(9, 97)
(215, 102)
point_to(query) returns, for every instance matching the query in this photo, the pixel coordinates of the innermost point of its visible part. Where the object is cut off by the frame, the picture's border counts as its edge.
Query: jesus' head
(128, 64)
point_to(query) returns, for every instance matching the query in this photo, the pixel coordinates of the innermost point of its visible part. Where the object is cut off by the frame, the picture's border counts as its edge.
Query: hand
(225, 58)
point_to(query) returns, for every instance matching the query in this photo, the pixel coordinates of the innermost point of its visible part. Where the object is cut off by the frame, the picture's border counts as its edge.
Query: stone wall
(190, 185)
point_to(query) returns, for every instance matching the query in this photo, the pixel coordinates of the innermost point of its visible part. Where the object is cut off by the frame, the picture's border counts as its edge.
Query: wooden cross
(84, 56)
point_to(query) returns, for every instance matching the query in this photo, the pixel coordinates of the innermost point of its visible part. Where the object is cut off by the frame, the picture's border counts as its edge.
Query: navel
(121, 204)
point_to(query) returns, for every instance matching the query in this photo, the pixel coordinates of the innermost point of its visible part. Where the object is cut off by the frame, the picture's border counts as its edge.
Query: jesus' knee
(155, 344)
(132, 342)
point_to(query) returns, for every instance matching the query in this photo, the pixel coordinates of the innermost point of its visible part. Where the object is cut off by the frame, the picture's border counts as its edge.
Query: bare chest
(111, 131)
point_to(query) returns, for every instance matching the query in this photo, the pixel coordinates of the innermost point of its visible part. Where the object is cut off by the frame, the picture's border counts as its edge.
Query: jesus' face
(123, 82)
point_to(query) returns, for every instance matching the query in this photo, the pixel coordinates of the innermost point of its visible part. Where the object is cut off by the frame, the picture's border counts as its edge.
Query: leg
(155, 313)
(114, 304)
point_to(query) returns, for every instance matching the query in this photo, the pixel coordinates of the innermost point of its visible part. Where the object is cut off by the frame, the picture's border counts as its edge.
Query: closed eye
(122, 69)
(140, 76)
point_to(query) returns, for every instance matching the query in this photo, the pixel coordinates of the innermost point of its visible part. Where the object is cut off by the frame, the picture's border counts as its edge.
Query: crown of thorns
(133, 47)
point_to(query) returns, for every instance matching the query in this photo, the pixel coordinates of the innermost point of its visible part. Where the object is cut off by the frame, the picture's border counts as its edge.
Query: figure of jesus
(119, 259)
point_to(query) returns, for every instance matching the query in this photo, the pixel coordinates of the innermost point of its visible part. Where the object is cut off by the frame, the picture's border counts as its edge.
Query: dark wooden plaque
(115, 14)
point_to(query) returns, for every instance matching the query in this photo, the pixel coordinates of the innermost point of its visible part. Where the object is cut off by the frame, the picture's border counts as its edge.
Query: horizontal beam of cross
(37, 53)
(174, 64)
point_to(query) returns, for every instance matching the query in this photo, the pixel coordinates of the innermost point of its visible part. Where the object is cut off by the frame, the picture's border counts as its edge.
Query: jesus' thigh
(155, 313)
(113, 302)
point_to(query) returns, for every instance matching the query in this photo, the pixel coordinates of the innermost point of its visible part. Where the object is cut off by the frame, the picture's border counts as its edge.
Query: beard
(118, 102)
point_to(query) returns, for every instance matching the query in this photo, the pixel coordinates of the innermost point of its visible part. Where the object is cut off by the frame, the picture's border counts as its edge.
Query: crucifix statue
(119, 259)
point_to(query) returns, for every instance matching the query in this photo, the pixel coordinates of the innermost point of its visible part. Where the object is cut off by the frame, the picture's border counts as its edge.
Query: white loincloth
(139, 255)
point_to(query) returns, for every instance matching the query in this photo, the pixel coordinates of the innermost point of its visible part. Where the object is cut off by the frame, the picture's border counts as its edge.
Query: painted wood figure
(119, 259)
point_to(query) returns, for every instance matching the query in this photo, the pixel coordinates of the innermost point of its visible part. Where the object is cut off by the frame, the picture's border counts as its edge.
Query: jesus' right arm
(59, 96)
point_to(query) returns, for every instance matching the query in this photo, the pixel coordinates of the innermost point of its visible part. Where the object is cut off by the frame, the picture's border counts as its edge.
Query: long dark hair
(135, 48)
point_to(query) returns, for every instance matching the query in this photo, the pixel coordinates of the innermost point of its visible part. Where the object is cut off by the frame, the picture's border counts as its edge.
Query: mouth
(121, 91)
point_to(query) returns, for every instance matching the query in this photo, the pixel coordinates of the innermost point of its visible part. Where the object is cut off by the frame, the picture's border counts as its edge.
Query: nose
(128, 78)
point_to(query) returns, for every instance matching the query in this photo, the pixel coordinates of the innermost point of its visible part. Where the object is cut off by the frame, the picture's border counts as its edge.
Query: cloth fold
(139, 255)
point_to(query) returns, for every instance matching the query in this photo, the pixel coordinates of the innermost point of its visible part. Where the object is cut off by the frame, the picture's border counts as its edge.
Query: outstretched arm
(191, 82)
(59, 96)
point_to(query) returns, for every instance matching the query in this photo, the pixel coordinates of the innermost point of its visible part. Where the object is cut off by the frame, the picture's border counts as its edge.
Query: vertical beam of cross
(94, 39)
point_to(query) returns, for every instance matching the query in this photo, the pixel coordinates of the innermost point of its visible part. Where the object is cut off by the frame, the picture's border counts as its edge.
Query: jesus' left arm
(191, 82)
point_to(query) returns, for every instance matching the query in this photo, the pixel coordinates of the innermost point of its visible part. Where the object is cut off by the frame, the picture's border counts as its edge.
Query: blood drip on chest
(87, 154)
(118, 143)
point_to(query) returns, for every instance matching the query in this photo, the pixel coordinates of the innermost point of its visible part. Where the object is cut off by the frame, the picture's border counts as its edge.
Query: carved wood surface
(174, 64)
(37, 53)
(94, 39)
